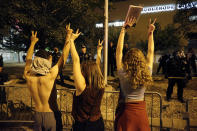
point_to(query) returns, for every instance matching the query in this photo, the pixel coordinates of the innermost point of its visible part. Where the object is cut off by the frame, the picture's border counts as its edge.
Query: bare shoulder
(40, 80)
(54, 71)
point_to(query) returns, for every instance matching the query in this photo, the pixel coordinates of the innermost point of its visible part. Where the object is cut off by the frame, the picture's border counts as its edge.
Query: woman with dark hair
(89, 84)
(135, 75)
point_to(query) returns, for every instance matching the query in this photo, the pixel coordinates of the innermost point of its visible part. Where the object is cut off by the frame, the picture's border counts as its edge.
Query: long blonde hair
(136, 68)
(92, 74)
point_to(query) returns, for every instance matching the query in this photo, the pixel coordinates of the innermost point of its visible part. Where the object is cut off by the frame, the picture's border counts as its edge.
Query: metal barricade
(154, 99)
(190, 114)
(108, 107)
(19, 106)
(15, 107)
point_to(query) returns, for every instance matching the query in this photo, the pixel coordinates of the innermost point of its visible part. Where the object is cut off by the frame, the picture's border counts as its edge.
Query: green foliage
(14, 41)
(165, 40)
(182, 19)
(114, 33)
(174, 36)
(49, 18)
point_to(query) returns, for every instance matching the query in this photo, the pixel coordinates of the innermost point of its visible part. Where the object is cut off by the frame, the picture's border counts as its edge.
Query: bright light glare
(192, 18)
(159, 8)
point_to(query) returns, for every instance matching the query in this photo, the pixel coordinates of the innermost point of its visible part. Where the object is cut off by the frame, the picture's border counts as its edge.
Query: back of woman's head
(136, 67)
(92, 74)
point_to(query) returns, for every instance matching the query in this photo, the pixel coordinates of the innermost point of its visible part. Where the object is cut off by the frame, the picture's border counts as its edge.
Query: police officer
(56, 55)
(178, 71)
(191, 57)
(1, 60)
(3, 78)
(111, 59)
(162, 63)
(84, 56)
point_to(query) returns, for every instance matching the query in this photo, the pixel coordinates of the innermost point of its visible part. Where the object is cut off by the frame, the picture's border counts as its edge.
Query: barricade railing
(15, 107)
(190, 112)
(154, 101)
(19, 99)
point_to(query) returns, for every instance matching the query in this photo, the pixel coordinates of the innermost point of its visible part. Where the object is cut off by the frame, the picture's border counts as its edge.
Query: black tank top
(86, 106)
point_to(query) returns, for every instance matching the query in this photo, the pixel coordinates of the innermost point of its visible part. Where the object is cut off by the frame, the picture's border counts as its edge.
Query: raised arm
(119, 48)
(66, 48)
(99, 49)
(150, 52)
(65, 52)
(79, 80)
(30, 52)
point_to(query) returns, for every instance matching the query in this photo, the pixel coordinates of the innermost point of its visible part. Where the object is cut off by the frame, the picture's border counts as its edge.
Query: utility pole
(106, 41)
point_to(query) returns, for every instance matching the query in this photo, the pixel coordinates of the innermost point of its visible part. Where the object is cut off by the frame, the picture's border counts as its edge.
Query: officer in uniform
(178, 71)
(191, 57)
(162, 63)
(111, 59)
(84, 56)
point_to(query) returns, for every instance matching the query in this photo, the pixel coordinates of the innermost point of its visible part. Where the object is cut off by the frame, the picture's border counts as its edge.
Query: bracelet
(150, 33)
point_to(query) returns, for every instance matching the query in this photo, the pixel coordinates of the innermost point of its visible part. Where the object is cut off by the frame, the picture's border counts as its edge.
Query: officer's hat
(83, 46)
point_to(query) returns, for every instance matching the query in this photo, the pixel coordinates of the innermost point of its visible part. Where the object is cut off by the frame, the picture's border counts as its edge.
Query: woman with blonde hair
(89, 84)
(134, 72)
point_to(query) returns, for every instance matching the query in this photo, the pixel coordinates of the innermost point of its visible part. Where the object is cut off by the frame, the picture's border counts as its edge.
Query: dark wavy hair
(136, 68)
(92, 74)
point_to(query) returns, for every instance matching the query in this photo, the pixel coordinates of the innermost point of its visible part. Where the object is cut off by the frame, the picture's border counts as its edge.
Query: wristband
(150, 33)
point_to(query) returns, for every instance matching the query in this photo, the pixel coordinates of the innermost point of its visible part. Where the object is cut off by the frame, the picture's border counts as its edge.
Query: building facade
(163, 10)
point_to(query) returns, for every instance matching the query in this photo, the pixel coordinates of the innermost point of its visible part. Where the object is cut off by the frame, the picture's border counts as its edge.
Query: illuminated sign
(155, 9)
(100, 25)
(192, 18)
(187, 6)
(169, 7)
(159, 8)
(117, 23)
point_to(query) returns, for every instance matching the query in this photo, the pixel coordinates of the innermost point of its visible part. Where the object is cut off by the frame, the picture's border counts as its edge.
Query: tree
(49, 18)
(183, 18)
(114, 33)
(15, 42)
(165, 40)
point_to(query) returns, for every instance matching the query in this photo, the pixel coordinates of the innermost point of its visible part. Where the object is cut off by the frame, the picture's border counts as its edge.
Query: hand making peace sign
(100, 45)
(34, 38)
(68, 29)
(75, 35)
(151, 26)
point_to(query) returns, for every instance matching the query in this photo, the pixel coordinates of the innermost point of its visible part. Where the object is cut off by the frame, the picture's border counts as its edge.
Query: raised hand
(34, 38)
(129, 23)
(75, 35)
(151, 26)
(68, 29)
(100, 45)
